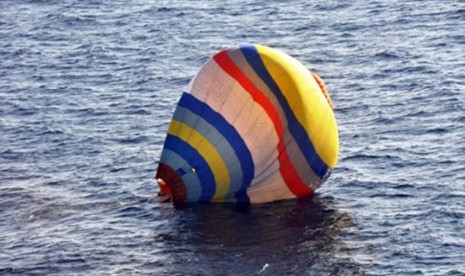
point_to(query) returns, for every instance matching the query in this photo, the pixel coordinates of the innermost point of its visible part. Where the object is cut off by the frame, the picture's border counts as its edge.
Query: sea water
(87, 89)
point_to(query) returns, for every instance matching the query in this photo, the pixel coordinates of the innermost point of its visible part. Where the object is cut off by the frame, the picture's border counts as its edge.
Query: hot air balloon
(254, 125)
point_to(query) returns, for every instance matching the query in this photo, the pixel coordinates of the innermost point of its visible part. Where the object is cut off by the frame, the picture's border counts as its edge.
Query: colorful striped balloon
(254, 125)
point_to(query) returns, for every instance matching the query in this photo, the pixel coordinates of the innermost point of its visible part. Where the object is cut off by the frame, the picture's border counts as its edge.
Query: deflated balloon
(254, 125)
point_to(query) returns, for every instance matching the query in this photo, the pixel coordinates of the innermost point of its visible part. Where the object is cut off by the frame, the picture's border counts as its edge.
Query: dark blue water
(87, 89)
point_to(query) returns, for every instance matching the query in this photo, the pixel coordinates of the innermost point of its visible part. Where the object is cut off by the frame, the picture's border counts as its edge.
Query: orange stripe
(288, 172)
(323, 88)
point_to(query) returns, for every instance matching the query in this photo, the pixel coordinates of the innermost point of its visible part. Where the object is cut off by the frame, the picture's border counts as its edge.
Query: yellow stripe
(306, 101)
(208, 152)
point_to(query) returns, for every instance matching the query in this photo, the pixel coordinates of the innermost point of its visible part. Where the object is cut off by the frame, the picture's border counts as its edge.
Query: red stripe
(288, 172)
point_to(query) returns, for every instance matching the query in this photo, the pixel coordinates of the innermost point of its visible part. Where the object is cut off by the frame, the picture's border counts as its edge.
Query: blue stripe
(297, 130)
(195, 160)
(228, 131)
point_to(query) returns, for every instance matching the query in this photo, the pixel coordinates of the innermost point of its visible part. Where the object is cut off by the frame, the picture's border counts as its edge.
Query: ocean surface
(87, 89)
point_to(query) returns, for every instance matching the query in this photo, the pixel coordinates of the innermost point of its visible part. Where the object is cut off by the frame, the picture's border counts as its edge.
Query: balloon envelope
(254, 125)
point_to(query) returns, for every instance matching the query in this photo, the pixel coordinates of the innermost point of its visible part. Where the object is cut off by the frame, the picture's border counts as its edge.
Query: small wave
(135, 140)
(437, 130)
(456, 15)
(387, 55)
(165, 9)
